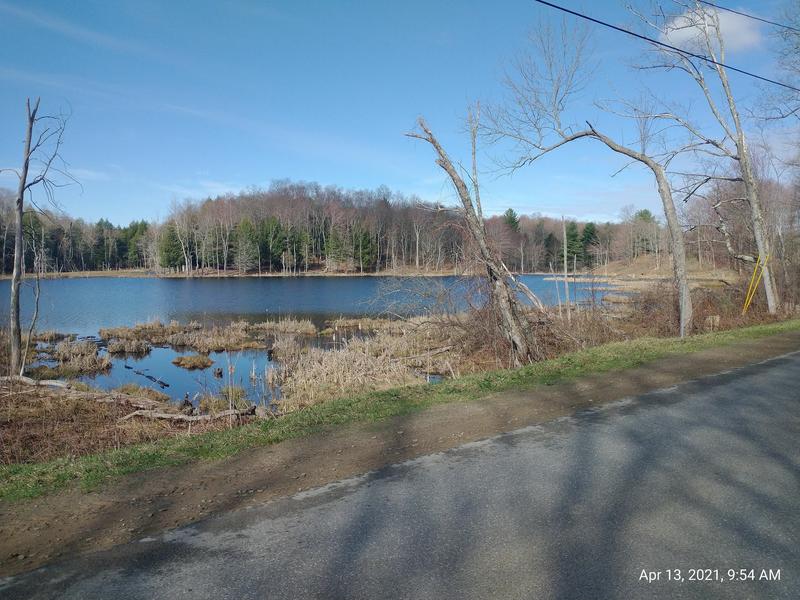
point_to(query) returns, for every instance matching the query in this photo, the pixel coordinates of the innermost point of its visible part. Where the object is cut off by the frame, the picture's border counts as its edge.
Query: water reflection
(248, 369)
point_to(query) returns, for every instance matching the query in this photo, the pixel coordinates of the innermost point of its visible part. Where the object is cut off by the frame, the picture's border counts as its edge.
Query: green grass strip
(32, 480)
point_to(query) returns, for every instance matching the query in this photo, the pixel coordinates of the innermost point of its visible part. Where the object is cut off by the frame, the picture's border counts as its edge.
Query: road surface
(608, 503)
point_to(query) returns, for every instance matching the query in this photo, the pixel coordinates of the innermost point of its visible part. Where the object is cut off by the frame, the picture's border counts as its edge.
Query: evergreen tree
(588, 239)
(511, 219)
(574, 247)
(336, 249)
(246, 246)
(552, 249)
(169, 248)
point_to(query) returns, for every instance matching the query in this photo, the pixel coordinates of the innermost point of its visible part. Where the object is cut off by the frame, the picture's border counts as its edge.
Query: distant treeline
(299, 227)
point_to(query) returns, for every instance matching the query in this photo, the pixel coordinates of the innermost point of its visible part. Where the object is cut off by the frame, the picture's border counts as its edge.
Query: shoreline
(149, 274)
(621, 280)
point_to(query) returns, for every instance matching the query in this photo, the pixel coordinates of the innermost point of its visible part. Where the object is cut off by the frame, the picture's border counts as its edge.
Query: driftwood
(154, 414)
(29, 381)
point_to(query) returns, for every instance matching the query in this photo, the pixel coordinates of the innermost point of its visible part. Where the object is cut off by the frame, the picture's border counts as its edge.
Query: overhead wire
(665, 45)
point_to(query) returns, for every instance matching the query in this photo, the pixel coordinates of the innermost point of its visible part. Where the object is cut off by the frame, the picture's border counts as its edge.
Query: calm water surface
(84, 305)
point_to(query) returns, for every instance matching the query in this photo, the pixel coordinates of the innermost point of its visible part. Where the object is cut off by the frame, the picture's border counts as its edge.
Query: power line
(749, 16)
(664, 45)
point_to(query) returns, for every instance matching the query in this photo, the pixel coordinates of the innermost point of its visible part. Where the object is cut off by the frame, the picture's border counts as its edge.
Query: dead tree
(541, 87)
(729, 141)
(40, 153)
(503, 287)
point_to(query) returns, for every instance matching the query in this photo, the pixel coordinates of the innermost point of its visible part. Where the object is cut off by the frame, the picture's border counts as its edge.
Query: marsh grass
(74, 359)
(18, 481)
(230, 396)
(137, 347)
(155, 332)
(49, 336)
(288, 325)
(193, 361)
(360, 364)
(238, 335)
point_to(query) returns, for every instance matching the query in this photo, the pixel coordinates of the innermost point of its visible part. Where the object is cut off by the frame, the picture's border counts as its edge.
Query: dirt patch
(39, 424)
(38, 531)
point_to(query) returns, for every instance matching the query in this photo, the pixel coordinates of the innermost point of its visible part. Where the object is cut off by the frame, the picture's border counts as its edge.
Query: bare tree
(181, 215)
(541, 87)
(701, 24)
(43, 138)
(503, 290)
(785, 103)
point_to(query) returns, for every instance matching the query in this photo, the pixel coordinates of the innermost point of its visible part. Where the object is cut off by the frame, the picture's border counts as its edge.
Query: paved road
(705, 475)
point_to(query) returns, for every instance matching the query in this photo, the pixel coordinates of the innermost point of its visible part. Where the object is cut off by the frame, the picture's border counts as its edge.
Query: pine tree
(511, 219)
(574, 246)
(246, 255)
(169, 248)
(588, 239)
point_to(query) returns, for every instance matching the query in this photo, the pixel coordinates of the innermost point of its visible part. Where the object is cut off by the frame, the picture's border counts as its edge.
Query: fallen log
(28, 381)
(154, 414)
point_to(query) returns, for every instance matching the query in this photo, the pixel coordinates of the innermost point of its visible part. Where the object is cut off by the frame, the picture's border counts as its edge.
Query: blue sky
(185, 99)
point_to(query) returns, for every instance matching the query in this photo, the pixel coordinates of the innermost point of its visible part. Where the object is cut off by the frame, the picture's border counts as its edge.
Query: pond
(82, 306)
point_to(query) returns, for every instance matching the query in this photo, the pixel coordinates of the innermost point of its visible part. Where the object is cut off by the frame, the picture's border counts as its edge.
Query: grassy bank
(32, 480)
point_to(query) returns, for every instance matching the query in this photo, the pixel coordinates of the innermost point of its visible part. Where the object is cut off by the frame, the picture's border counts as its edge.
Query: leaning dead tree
(40, 160)
(504, 287)
(676, 242)
(699, 24)
(541, 87)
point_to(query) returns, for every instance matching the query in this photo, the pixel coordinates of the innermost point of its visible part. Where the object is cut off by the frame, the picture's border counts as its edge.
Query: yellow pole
(754, 282)
(750, 286)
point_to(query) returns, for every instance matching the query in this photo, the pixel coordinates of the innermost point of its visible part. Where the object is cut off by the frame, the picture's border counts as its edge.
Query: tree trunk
(678, 252)
(566, 279)
(675, 231)
(15, 361)
(759, 231)
(503, 296)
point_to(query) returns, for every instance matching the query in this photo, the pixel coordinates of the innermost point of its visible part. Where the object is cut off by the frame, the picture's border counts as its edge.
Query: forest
(294, 228)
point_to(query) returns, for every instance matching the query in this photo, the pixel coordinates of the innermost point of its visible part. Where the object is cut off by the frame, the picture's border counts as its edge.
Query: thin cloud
(317, 144)
(738, 32)
(89, 175)
(200, 189)
(77, 32)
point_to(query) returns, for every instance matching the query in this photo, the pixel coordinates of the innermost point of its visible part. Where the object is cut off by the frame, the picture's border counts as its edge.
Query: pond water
(247, 369)
(82, 306)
